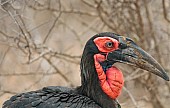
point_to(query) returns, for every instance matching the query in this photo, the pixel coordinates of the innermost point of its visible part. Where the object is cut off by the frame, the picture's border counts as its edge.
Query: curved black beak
(132, 54)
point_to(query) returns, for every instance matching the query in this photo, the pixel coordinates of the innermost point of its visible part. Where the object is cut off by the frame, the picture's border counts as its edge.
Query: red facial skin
(113, 81)
(100, 43)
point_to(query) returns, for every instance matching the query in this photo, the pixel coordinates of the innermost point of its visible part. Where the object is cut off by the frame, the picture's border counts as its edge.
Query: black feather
(88, 95)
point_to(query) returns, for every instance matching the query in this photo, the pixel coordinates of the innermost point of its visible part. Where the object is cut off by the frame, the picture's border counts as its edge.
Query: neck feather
(90, 83)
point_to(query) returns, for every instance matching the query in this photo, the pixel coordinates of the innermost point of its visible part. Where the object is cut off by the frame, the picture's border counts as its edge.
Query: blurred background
(41, 42)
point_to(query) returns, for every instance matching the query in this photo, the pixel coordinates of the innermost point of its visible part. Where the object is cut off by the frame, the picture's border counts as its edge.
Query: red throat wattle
(111, 82)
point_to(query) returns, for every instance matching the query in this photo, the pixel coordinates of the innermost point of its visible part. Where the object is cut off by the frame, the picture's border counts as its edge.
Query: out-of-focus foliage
(41, 43)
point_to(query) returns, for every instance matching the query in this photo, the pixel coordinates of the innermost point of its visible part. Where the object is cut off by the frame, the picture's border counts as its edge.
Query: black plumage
(50, 97)
(91, 94)
(88, 95)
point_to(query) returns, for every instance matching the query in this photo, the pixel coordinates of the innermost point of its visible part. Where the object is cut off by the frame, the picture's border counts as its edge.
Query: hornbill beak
(129, 53)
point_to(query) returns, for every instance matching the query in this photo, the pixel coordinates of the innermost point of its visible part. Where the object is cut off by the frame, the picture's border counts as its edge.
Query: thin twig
(131, 97)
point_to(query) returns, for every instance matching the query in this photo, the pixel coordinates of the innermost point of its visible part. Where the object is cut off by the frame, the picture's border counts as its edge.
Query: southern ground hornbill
(101, 82)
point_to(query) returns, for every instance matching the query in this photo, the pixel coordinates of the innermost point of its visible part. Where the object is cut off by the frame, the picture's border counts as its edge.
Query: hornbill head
(99, 55)
(122, 49)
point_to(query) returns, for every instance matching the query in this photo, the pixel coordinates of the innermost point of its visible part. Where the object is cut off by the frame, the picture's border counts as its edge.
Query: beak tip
(167, 78)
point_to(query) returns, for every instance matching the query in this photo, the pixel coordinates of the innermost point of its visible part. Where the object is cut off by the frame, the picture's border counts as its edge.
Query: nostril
(122, 46)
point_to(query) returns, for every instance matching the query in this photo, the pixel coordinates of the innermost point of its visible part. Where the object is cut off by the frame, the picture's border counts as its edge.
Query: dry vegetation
(41, 43)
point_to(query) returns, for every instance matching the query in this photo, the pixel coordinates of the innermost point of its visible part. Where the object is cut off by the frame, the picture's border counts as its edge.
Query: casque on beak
(129, 53)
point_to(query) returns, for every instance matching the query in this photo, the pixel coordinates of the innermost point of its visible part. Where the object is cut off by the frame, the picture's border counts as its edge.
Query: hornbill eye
(109, 44)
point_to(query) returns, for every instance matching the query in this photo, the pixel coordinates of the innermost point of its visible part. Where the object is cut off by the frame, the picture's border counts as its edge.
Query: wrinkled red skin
(113, 81)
